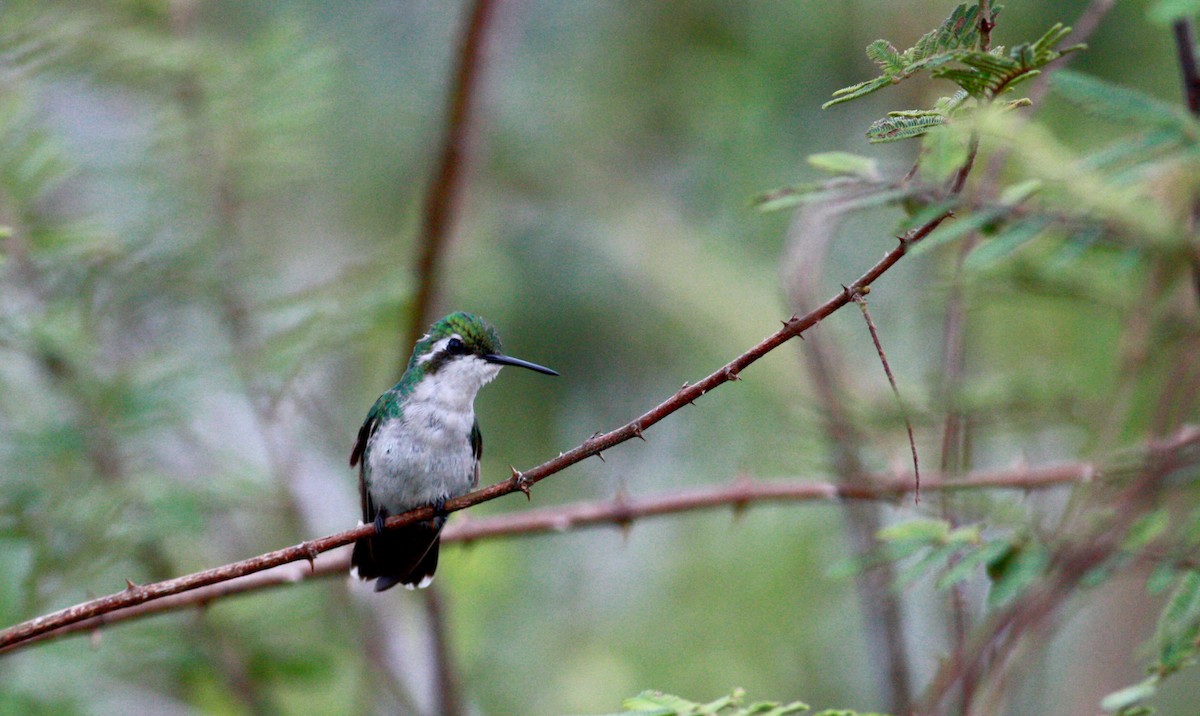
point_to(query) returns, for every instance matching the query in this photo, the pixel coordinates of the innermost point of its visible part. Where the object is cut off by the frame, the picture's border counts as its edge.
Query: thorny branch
(621, 511)
(519, 481)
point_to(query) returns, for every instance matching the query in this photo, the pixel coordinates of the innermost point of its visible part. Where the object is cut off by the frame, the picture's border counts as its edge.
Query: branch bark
(215, 584)
(616, 512)
(441, 199)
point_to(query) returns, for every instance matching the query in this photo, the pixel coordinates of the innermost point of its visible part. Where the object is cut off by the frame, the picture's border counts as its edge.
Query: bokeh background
(214, 208)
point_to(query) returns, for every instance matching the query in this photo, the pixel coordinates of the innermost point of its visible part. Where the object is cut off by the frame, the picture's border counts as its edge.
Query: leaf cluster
(656, 703)
(1011, 562)
(952, 51)
(1175, 644)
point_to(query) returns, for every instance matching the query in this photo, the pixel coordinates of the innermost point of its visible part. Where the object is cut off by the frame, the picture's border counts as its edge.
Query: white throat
(455, 384)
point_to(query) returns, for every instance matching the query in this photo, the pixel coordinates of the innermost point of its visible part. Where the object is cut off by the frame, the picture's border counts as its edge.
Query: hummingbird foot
(380, 517)
(439, 512)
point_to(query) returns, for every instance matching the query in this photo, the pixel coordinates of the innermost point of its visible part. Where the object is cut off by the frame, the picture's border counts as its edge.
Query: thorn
(129, 585)
(311, 552)
(520, 481)
(731, 374)
(685, 386)
(622, 515)
(626, 527)
(600, 454)
(741, 481)
(637, 432)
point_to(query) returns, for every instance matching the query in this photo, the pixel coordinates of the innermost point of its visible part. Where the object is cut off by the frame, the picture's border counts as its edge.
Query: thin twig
(912, 442)
(441, 199)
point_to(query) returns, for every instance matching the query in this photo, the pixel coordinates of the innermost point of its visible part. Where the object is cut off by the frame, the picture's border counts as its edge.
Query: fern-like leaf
(861, 89)
(1121, 104)
(935, 48)
(960, 29)
(885, 54)
(904, 125)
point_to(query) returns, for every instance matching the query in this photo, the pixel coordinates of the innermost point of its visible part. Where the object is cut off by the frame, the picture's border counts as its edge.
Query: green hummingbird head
(463, 336)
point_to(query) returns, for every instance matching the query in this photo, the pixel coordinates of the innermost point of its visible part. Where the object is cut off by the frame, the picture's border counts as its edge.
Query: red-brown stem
(887, 369)
(441, 199)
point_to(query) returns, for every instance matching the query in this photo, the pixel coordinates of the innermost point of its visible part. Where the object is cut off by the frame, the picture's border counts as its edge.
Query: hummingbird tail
(407, 556)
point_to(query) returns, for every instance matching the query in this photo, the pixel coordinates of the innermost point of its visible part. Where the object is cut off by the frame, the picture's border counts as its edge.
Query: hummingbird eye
(455, 346)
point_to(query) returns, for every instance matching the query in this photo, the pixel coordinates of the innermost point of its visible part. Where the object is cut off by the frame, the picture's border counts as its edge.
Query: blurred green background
(214, 207)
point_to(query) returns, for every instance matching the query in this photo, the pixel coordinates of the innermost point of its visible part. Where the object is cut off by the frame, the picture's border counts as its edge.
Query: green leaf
(1179, 624)
(1015, 194)
(958, 228)
(1145, 530)
(861, 89)
(884, 54)
(1133, 150)
(772, 708)
(920, 531)
(1166, 12)
(1018, 569)
(966, 566)
(1121, 104)
(1161, 578)
(787, 197)
(960, 29)
(923, 214)
(878, 198)
(1122, 699)
(982, 219)
(904, 125)
(658, 700)
(845, 164)
(1011, 238)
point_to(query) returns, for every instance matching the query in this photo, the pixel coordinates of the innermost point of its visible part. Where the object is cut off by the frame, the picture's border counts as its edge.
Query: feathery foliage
(950, 52)
(656, 703)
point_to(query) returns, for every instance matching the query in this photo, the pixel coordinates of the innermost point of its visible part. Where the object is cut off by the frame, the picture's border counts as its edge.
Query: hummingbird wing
(476, 450)
(358, 454)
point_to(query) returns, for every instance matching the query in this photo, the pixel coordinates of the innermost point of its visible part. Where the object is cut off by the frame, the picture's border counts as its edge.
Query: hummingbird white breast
(425, 454)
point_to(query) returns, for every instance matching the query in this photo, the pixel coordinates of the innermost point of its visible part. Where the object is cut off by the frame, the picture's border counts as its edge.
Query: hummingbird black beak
(501, 359)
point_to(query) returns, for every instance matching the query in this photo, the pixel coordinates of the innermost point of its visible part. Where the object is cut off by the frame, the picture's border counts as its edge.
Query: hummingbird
(420, 445)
